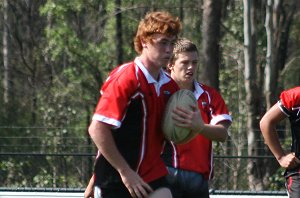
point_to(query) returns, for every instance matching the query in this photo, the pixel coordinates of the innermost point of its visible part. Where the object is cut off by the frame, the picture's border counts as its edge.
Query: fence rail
(73, 170)
(67, 162)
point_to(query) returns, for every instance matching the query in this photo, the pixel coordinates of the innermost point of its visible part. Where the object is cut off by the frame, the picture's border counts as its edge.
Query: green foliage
(290, 75)
(277, 180)
(62, 56)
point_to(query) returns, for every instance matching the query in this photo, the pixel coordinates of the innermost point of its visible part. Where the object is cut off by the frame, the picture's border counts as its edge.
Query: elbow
(221, 137)
(223, 131)
(262, 124)
(224, 137)
(91, 129)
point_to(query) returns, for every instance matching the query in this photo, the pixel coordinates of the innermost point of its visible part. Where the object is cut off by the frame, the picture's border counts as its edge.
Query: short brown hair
(182, 45)
(156, 22)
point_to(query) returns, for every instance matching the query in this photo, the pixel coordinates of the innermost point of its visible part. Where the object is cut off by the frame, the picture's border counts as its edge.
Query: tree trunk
(278, 22)
(269, 69)
(254, 169)
(119, 41)
(7, 78)
(211, 37)
(181, 12)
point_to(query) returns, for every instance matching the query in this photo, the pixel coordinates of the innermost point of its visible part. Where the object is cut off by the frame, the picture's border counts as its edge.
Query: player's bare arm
(101, 135)
(218, 132)
(268, 128)
(89, 191)
(193, 120)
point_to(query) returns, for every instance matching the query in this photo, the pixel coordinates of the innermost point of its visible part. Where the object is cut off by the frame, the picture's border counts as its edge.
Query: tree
(7, 74)
(279, 16)
(119, 40)
(254, 169)
(211, 38)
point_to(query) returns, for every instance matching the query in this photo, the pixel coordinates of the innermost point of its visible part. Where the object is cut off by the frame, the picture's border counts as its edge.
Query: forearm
(89, 191)
(272, 140)
(217, 132)
(214, 132)
(268, 128)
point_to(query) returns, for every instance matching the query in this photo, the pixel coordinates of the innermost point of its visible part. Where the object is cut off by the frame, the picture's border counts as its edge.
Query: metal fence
(67, 162)
(73, 171)
(232, 173)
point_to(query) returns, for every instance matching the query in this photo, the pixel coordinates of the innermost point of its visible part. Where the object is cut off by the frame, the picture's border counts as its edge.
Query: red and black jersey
(197, 154)
(133, 103)
(289, 104)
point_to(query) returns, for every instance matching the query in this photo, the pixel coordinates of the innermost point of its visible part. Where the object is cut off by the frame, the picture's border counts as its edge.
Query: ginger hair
(156, 22)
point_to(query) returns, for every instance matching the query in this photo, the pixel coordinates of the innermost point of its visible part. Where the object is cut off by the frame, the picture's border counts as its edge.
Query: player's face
(160, 50)
(184, 68)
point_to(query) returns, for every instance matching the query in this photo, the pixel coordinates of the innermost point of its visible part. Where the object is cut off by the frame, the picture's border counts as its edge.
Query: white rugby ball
(183, 98)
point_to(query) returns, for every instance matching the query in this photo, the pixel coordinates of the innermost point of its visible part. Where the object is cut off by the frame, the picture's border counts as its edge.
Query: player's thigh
(161, 192)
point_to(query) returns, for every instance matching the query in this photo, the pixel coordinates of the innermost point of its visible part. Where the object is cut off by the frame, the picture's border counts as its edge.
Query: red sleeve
(290, 98)
(219, 108)
(116, 93)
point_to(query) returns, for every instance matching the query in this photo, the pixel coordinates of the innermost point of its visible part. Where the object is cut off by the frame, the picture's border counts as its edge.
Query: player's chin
(188, 79)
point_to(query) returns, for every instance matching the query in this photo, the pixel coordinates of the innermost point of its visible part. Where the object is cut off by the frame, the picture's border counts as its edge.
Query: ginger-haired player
(126, 126)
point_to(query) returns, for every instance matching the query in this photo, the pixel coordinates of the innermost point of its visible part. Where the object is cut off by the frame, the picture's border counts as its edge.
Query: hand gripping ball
(179, 135)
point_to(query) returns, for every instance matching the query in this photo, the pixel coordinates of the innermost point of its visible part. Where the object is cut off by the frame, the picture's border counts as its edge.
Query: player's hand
(289, 161)
(188, 118)
(135, 184)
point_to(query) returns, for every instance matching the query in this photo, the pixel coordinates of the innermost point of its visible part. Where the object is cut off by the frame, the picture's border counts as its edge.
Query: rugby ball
(183, 98)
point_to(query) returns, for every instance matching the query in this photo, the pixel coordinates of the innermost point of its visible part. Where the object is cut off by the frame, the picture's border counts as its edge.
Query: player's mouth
(189, 74)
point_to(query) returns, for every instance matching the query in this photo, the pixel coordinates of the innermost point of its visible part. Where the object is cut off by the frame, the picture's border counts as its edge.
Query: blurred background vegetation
(57, 53)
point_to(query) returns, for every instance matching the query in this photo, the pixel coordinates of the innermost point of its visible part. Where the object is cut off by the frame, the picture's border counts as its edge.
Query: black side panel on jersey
(294, 118)
(295, 128)
(128, 140)
(167, 154)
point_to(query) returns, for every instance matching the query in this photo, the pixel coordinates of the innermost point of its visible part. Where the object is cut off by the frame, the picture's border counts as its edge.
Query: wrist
(279, 157)
(123, 170)
(200, 129)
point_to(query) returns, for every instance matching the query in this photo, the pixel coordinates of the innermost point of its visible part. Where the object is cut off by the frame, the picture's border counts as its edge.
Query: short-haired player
(190, 165)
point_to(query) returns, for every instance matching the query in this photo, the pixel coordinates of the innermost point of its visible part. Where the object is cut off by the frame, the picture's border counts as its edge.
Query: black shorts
(118, 190)
(187, 184)
(293, 185)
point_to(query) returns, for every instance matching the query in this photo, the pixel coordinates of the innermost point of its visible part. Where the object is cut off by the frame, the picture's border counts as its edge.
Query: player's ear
(170, 66)
(143, 42)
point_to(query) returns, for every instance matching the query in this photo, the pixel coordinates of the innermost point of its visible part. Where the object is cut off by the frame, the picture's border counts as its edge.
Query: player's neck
(153, 69)
(189, 86)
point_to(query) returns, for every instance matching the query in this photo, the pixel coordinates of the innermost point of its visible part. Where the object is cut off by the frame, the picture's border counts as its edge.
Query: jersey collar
(198, 90)
(163, 79)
